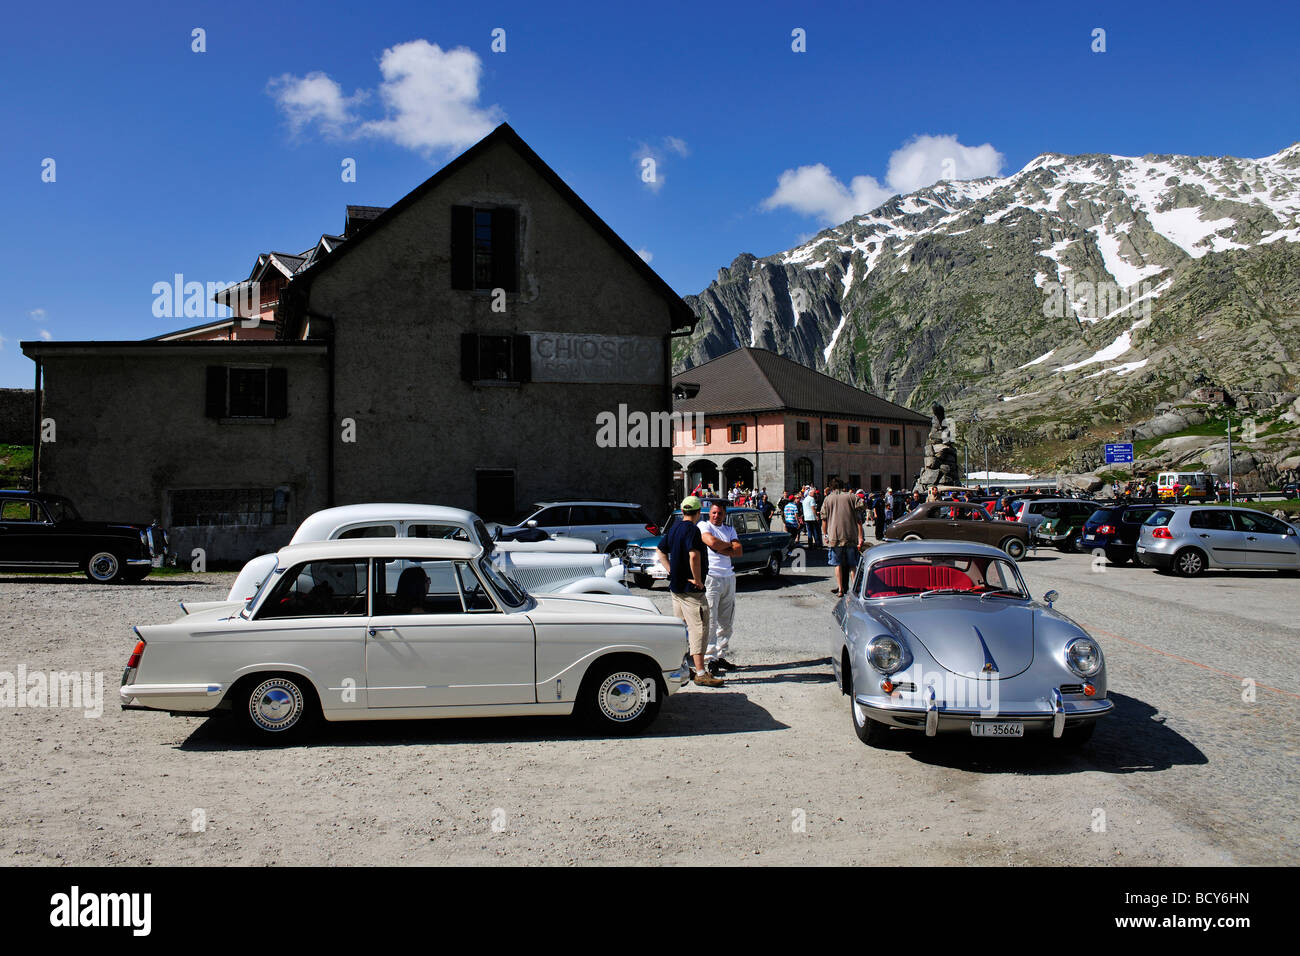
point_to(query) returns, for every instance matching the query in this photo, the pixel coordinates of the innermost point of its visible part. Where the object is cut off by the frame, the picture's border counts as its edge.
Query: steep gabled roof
(289, 319)
(757, 380)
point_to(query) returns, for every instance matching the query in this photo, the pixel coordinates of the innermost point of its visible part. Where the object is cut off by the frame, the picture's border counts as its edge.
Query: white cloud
(813, 191)
(677, 145)
(925, 160)
(645, 254)
(36, 315)
(313, 99)
(430, 98)
(922, 161)
(45, 334)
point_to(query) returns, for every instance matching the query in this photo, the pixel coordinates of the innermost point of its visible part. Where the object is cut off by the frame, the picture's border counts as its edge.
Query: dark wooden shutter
(468, 356)
(505, 265)
(462, 247)
(216, 392)
(277, 393)
(523, 358)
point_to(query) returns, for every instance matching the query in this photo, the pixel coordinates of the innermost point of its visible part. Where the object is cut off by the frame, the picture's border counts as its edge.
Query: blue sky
(172, 161)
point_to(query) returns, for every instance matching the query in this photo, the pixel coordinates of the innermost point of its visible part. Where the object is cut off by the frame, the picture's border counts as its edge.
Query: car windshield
(61, 510)
(507, 588)
(257, 595)
(943, 574)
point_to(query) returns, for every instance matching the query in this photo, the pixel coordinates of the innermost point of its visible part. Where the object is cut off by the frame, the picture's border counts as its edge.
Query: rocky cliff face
(1081, 291)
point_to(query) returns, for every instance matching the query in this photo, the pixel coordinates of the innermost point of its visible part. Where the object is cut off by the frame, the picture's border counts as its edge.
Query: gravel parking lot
(767, 769)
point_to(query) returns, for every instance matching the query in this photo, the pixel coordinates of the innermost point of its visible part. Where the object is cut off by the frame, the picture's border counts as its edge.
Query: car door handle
(1205, 536)
(1250, 537)
(382, 627)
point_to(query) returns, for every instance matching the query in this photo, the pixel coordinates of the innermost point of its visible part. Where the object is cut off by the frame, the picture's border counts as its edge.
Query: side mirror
(1050, 597)
(532, 523)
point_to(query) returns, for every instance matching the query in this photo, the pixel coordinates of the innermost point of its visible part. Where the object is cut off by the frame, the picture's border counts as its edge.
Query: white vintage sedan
(374, 628)
(541, 567)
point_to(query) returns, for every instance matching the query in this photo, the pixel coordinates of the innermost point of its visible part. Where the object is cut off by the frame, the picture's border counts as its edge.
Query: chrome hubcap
(622, 696)
(275, 705)
(103, 566)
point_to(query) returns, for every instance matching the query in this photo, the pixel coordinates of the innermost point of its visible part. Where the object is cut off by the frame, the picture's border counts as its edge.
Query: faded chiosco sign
(601, 359)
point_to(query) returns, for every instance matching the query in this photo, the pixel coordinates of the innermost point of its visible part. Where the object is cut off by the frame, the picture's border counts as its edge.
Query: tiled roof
(756, 380)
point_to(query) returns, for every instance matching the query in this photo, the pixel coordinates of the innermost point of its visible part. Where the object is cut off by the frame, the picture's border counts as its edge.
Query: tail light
(1105, 529)
(134, 660)
(1161, 533)
(652, 529)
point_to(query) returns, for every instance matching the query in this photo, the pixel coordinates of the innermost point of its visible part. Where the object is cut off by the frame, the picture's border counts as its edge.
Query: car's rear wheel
(104, 567)
(617, 550)
(871, 732)
(620, 695)
(278, 709)
(1014, 547)
(1189, 562)
(773, 566)
(1118, 557)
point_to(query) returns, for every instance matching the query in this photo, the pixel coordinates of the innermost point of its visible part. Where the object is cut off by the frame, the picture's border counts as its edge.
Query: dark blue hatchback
(1114, 530)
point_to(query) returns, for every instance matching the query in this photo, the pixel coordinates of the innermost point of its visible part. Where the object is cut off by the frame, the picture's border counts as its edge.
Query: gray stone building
(456, 350)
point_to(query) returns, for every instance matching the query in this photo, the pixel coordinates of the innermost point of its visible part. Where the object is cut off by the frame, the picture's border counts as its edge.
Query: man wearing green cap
(683, 554)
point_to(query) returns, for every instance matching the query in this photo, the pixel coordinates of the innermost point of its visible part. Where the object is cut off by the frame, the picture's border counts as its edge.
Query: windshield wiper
(1004, 591)
(945, 591)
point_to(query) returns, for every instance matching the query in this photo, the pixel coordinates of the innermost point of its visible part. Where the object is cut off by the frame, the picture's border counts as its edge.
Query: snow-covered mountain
(1096, 281)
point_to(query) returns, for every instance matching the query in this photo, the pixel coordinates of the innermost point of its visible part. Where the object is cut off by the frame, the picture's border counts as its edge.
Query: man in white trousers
(720, 586)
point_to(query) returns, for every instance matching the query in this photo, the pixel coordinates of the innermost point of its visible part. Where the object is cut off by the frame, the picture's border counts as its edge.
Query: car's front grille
(1071, 688)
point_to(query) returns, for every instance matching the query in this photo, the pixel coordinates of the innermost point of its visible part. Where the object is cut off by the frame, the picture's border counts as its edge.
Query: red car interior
(897, 579)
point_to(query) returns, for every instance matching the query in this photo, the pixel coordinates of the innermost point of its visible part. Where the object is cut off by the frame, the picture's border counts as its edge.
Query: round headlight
(885, 654)
(1083, 656)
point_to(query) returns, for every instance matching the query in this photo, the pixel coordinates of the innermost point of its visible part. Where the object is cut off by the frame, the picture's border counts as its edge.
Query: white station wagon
(541, 567)
(389, 628)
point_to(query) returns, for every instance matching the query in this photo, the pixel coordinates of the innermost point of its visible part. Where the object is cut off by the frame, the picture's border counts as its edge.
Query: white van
(1193, 481)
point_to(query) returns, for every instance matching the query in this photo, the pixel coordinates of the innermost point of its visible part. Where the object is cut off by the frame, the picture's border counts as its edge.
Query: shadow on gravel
(1133, 739)
(764, 673)
(695, 712)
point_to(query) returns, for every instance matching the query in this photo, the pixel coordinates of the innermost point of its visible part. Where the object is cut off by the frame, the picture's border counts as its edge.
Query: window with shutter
(484, 248)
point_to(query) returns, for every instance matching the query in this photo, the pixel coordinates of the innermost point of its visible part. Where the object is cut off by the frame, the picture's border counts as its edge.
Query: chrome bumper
(1058, 714)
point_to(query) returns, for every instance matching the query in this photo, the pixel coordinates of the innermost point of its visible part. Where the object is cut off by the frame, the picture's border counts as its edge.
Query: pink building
(775, 424)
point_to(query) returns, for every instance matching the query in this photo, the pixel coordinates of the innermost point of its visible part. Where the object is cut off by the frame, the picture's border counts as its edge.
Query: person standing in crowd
(766, 509)
(843, 532)
(889, 507)
(810, 519)
(790, 515)
(683, 555)
(878, 515)
(720, 587)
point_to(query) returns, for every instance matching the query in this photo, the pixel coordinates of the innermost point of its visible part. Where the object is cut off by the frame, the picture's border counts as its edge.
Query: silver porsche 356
(944, 637)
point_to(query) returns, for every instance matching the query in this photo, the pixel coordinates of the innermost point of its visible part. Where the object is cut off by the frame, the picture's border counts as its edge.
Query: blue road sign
(1119, 453)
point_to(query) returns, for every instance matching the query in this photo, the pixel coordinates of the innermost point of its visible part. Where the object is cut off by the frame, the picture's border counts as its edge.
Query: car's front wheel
(104, 567)
(1014, 547)
(643, 581)
(277, 710)
(620, 696)
(1189, 562)
(773, 566)
(871, 732)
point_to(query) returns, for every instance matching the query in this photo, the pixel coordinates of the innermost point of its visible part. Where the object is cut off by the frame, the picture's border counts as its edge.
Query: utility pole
(1230, 495)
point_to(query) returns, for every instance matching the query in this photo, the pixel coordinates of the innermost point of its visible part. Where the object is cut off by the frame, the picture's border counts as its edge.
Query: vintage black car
(43, 532)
